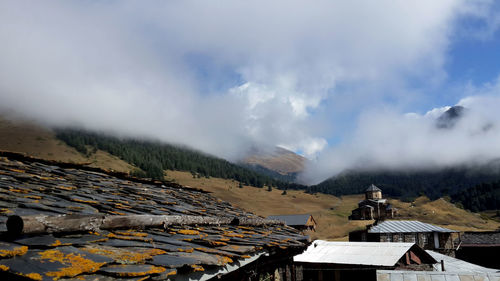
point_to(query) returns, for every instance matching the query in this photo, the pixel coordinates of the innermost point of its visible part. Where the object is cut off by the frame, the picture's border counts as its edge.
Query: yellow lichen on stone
(3, 267)
(57, 243)
(132, 238)
(124, 256)
(223, 260)
(188, 232)
(69, 188)
(153, 270)
(5, 211)
(76, 264)
(196, 267)
(18, 190)
(17, 170)
(33, 197)
(217, 243)
(84, 201)
(188, 250)
(232, 234)
(19, 251)
(132, 233)
(245, 227)
(33, 276)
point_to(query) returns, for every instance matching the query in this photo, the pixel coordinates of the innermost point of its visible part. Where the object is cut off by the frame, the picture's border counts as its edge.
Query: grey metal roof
(457, 265)
(399, 275)
(358, 253)
(373, 188)
(292, 220)
(406, 227)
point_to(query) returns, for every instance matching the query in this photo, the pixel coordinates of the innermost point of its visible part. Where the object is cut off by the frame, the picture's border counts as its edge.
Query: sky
(348, 84)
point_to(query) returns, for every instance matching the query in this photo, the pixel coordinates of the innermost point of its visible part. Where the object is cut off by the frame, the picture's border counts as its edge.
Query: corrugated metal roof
(399, 275)
(405, 227)
(292, 219)
(456, 265)
(358, 253)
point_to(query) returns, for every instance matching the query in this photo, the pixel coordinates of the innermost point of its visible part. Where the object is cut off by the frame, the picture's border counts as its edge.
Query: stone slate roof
(372, 188)
(292, 220)
(29, 187)
(404, 226)
(487, 238)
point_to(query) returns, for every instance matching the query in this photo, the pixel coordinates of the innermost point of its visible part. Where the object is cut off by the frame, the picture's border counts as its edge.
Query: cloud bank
(388, 140)
(223, 76)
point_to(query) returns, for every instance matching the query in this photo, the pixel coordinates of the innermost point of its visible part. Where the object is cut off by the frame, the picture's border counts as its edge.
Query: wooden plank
(17, 225)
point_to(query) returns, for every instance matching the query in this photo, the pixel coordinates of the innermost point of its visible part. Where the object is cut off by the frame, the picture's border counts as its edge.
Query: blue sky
(345, 84)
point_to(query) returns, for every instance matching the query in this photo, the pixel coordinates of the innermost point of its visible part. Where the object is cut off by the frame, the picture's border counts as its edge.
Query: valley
(329, 211)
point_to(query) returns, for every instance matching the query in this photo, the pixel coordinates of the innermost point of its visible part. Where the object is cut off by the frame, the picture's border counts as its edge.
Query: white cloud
(387, 139)
(120, 66)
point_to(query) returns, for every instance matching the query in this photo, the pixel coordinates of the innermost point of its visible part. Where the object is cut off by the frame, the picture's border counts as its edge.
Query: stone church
(374, 207)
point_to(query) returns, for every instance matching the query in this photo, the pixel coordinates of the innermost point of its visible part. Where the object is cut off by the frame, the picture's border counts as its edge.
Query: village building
(373, 207)
(425, 235)
(335, 261)
(69, 222)
(302, 223)
(480, 248)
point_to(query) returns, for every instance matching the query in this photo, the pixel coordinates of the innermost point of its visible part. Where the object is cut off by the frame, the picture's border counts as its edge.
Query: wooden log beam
(17, 225)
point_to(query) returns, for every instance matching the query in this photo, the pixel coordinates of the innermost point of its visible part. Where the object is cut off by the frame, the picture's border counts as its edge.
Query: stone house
(427, 236)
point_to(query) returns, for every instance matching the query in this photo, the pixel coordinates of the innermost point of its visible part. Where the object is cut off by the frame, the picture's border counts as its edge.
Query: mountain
(411, 184)
(450, 117)
(280, 160)
(37, 141)
(482, 181)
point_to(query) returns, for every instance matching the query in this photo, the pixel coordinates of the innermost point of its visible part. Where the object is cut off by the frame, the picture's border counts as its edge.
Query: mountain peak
(450, 117)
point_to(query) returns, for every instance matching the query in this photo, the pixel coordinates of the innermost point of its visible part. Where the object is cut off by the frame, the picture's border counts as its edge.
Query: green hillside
(153, 158)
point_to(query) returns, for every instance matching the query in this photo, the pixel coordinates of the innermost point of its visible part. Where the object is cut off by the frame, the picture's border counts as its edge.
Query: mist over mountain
(350, 86)
(384, 140)
(450, 117)
(455, 180)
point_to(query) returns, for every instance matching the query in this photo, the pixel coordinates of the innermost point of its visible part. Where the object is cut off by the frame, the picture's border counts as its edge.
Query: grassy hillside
(41, 143)
(280, 160)
(329, 211)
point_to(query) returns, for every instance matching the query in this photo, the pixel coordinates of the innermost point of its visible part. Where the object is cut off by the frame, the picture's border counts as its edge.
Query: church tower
(373, 192)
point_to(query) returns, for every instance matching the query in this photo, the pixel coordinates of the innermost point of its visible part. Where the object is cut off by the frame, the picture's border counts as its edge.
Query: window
(389, 237)
(410, 238)
(425, 238)
(400, 238)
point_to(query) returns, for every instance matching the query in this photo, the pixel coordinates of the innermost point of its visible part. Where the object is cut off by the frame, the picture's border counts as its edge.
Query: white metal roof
(357, 253)
(457, 265)
(405, 227)
(398, 275)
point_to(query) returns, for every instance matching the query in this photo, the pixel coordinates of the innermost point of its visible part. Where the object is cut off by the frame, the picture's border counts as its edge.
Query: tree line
(153, 158)
(409, 185)
(484, 196)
